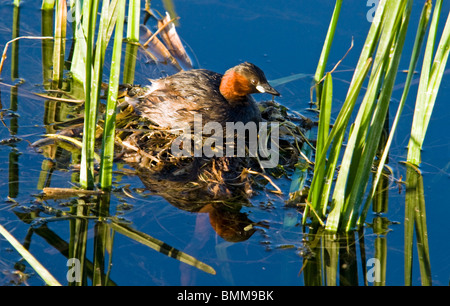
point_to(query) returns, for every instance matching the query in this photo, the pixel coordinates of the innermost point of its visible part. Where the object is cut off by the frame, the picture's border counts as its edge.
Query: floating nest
(219, 186)
(147, 148)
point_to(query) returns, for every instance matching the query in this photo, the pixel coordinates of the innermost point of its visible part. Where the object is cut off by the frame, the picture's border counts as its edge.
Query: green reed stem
(337, 133)
(15, 44)
(134, 8)
(87, 152)
(326, 50)
(357, 189)
(430, 80)
(78, 67)
(322, 135)
(421, 31)
(133, 21)
(110, 118)
(48, 4)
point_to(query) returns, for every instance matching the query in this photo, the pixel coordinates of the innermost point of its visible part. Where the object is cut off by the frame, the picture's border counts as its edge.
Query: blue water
(282, 38)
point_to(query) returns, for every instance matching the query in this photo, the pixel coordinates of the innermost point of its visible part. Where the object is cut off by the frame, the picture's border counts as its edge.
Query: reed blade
(322, 135)
(110, 117)
(90, 9)
(397, 28)
(418, 43)
(34, 263)
(430, 80)
(326, 49)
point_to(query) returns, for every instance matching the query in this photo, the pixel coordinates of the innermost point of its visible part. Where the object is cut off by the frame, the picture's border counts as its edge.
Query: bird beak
(266, 88)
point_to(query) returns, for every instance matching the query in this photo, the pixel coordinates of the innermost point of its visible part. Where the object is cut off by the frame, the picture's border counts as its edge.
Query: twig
(13, 40)
(134, 148)
(315, 213)
(334, 68)
(338, 63)
(267, 178)
(158, 31)
(69, 192)
(58, 99)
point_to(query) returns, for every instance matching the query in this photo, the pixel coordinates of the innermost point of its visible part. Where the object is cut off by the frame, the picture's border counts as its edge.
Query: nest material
(219, 186)
(148, 149)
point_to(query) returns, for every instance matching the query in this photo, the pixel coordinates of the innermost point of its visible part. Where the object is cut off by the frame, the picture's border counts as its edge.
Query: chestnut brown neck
(234, 86)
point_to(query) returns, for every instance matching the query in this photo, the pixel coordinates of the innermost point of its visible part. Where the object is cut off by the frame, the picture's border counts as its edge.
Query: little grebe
(173, 101)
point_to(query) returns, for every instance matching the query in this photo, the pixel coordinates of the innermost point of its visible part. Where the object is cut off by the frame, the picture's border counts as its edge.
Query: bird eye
(254, 81)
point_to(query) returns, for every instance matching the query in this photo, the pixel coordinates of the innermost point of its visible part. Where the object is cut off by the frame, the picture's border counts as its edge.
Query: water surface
(283, 38)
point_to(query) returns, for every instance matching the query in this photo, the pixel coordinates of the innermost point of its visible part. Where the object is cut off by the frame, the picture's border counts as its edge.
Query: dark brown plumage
(173, 101)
